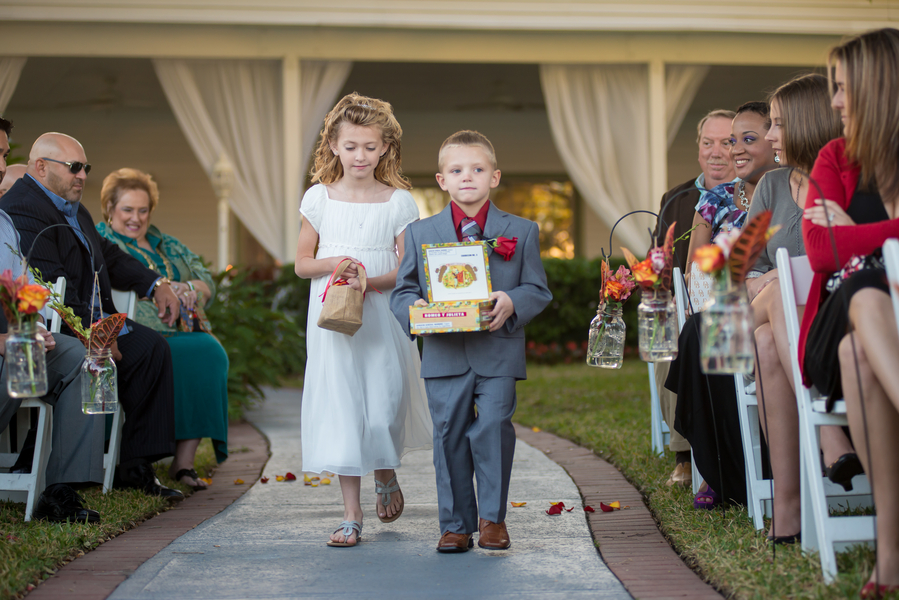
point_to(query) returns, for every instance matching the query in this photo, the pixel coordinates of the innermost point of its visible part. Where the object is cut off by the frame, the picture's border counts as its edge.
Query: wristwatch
(159, 282)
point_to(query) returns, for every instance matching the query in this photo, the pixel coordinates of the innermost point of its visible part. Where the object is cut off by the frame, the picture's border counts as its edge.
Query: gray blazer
(489, 354)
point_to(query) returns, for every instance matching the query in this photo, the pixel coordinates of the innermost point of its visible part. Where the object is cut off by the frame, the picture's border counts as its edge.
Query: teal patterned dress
(199, 362)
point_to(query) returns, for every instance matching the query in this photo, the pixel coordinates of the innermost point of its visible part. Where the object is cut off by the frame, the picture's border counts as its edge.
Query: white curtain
(234, 108)
(10, 69)
(681, 84)
(320, 83)
(599, 117)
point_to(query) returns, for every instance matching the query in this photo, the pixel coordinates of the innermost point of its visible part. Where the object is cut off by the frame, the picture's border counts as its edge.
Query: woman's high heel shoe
(872, 590)
(843, 469)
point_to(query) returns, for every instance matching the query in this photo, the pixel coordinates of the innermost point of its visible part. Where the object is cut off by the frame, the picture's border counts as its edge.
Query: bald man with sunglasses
(50, 194)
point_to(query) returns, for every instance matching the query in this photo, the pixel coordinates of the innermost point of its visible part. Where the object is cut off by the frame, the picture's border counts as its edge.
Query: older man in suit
(679, 206)
(76, 457)
(50, 194)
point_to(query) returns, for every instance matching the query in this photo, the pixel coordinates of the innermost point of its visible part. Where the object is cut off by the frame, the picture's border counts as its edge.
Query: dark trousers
(146, 392)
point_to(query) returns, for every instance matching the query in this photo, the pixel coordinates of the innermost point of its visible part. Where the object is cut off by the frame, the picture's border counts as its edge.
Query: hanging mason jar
(657, 325)
(26, 365)
(99, 383)
(605, 347)
(726, 333)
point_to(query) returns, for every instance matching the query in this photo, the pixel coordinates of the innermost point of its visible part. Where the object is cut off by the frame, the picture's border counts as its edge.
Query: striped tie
(470, 230)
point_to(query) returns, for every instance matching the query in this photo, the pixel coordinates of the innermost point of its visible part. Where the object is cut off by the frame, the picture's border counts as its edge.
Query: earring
(777, 158)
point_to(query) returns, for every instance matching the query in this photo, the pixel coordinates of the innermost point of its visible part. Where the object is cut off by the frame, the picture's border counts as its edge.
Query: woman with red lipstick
(849, 344)
(719, 458)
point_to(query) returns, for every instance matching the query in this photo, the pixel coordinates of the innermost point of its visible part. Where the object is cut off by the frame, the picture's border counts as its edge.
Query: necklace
(169, 269)
(744, 201)
(799, 189)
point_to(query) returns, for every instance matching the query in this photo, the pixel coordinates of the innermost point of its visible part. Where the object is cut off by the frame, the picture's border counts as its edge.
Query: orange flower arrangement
(735, 253)
(21, 300)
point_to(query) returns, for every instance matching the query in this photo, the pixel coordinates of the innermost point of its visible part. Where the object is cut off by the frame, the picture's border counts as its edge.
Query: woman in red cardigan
(849, 321)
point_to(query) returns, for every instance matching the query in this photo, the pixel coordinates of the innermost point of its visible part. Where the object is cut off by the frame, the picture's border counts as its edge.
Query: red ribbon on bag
(331, 281)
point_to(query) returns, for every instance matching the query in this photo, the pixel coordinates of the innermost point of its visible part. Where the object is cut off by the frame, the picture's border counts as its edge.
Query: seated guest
(848, 342)
(802, 123)
(13, 174)
(724, 480)
(50, 194)
(717, 170)
(76, 454)
(200, 364)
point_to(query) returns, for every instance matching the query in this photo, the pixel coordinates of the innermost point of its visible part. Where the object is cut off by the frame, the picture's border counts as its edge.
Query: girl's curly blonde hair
(361, 111)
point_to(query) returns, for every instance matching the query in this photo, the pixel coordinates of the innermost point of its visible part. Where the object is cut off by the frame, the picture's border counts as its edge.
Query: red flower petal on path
(605, 507)
(290, 476)
(588, 509)
(264, 480)
(554, 510)
(569, 509)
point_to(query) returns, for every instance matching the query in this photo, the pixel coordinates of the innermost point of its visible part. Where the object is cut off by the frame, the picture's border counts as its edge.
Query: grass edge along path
(608, 412)
(35, 551)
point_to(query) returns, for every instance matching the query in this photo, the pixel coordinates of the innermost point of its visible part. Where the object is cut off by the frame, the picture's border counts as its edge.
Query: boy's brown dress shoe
(493, 536)
(454, 542)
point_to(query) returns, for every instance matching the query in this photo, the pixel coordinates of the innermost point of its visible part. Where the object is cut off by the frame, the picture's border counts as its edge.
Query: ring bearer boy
(470, 377)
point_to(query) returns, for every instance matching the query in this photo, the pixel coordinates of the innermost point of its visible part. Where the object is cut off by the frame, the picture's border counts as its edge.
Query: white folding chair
(821, 531)
(758, 489)
(124, 302)
(661, 434)
(27, 487)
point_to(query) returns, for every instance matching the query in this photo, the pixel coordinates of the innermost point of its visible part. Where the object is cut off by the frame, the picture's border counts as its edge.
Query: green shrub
(264, 342)
(559, 333)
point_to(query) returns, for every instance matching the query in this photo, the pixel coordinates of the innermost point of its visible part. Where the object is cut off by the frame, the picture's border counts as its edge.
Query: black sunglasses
(74, 167)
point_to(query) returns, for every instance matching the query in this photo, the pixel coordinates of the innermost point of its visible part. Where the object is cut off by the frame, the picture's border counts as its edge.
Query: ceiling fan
(109, 97)
(501, 99)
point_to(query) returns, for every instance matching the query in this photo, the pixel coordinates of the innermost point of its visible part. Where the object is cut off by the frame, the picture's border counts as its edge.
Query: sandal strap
(386, 490)
(192, 473)
(347, 527)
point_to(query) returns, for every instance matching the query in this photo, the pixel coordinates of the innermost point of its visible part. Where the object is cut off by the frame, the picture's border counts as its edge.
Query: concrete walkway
(271, 543)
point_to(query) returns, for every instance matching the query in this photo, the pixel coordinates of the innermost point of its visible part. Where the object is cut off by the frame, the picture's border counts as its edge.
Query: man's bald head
(45, 164)
(13, 174)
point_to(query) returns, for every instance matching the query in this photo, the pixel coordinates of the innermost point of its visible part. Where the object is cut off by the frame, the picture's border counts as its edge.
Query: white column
(224, 235)
(222, 180)
(658, 133)
(293, 170)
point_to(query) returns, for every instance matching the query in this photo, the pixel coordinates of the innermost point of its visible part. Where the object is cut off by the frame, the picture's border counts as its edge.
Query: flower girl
(364, 405)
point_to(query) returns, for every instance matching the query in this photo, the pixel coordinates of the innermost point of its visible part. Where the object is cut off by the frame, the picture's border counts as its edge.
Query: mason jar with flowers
(605, 345)
(656, 315)
(726, 325)
(26, 367)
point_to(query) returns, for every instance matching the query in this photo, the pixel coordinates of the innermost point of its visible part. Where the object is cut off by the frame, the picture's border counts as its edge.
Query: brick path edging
(629, 540)
(95, 575)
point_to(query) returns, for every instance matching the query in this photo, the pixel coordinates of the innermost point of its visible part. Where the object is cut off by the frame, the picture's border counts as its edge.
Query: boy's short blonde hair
(467, 138)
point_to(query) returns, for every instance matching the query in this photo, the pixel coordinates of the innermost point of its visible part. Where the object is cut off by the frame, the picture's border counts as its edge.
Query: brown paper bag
(341, 304)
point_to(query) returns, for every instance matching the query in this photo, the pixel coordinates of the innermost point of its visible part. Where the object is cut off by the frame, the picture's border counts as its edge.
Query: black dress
(831, 323)
(707, 415)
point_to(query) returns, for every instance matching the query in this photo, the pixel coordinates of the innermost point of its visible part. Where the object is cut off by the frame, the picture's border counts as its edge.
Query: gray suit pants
(473, 437)
(77, 452)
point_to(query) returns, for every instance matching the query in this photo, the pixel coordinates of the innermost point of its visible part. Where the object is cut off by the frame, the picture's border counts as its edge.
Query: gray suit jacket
(489, 354)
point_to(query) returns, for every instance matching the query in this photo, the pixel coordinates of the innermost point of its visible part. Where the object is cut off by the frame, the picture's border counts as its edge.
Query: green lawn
(32, 551)
(608, 411)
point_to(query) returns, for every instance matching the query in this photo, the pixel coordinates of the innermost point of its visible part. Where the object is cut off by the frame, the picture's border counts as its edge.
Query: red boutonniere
(503, 246)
